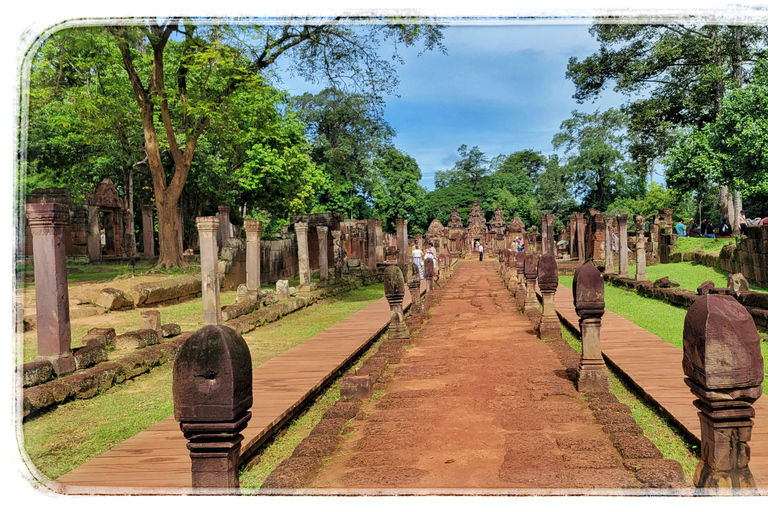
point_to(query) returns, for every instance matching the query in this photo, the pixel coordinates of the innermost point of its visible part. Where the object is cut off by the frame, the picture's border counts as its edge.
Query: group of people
(705, 230)
(518, 245)
(419, 256)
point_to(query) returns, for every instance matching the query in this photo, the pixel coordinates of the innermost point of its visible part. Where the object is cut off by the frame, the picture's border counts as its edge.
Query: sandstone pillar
(253, 230)
(544, 235)
(520, 293)
(609, 267)
(414, 287)
(552, 247)
(94, 234)
(640, 272)
(207, 228)
(394, 290)
(380, 251)
(588, 298)
(148, 230)
(222, 234)
(402, 241)
(725, 389)
(623, 246)
(212, 416)
(531, 304)
(549, 325)
(54, 337)
(572, 229)
(372, 244)
(303, 247)
(338, 254)
(322, 248)
(429, 273)
(580, 242)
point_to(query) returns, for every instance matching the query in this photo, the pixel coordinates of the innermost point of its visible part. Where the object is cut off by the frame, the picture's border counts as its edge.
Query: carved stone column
(380, 255)
(544, 235)
(212, 392)
(338, 254)
(549, 325)
(207, 228)
(253, 230)
(372, 243)
(609, 266)
(580, 242)
(623, 246)
(520, 293)
(640, 273)
(148, 230)
(531, 305)
(414, 287)
(429, 273)
(394, 290)
(402, 241)
(54, 337)
(552, 244)
(223, 233)
(322, 251)
(588, 298)
(725, 387)
(303, 248)
(573, 249)
(94, 234)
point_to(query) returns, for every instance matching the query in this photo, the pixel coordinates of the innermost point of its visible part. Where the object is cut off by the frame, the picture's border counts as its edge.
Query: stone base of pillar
(549, 328)
(520, 296)
(398, 331)
(641, 277)
(63, 364)
(593, 375)
(307, 287)
(734, 482)
(624, 274)
(531, 306)
(356, 386)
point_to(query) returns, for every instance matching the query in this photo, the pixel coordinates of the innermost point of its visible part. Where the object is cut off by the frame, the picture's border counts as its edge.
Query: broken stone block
(171, 330)
(89, 355)
(136, 339)
(665, 282)
(107, 332)
(114, 299)
(94, 339)
(37, 372)
(705, 288)
(282, 289)
(356, 386)
(737, 283)
(150, 320)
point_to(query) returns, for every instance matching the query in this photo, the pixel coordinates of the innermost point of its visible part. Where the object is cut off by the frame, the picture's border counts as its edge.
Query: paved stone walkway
(477, 404)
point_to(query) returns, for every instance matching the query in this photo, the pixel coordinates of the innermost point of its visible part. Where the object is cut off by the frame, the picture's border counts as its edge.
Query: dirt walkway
(477, 402)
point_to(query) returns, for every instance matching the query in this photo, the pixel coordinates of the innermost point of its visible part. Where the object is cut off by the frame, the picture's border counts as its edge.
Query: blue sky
(500, 87)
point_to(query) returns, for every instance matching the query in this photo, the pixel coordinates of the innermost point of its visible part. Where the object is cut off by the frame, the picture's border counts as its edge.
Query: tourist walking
(480, 250)
(417, 255)
(432, 254)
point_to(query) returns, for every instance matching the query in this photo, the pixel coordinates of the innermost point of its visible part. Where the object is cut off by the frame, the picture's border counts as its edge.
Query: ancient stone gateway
(106, 210)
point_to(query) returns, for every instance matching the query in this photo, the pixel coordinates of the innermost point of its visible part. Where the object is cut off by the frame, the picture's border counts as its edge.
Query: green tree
(471, 170)
(397, 193)
(441, 201)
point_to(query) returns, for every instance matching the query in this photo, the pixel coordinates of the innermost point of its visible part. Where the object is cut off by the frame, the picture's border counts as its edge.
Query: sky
(499, 87)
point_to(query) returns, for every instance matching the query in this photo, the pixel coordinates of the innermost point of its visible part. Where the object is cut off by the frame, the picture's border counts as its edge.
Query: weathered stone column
(301, 229)
(544, 235)
(372, 244)
(552, 247)
(380, 251)
(338, 254)
(148, 230)
(623, 246)
(520, 293)
(588, 293)
(574, 251)
(549, 325)
(511, 272)
(640, 273)
(402, 241)
(94, 234)
(442, 264)
(429, 273)
(253, 230)
(322, 249)
(180, 226)
(212, 392)
(54, 337)
(207, 228)
(223, 233)
(725, 387)
(531, 305)
(609, 266)
(580, 242)
(394, 290)
(414, 287)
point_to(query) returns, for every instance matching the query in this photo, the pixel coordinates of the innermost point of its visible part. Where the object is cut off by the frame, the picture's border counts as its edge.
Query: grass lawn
(689, 276)
(664, 435)
(709, 245)
(77, 431)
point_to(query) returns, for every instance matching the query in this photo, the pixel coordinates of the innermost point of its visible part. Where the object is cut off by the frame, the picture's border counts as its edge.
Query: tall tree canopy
(397, 193)
(469, 170)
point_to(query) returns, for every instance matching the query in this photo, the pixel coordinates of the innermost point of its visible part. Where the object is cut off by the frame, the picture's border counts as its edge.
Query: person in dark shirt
(691, 227)
(710, 230)
(725, 229)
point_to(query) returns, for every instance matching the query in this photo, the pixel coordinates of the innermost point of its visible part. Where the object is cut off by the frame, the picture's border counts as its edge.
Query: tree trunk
(725, 204)
(168, 234)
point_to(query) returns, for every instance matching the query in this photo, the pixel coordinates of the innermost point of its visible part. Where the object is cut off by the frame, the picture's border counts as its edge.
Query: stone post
(609, 267)
(322, 248)
(414, 287)
(588, 298)
(725, 387)
(572, 228)
(380, 254)
(429, 274)
(394, 290)
(148, 230)
(212, 392)
(94, 234)
(223, 233)
(54, 337)
(253, 230)
(180, 227)
(552, 247)
(520, 293)
(640, 273)
(373, 243)
(580, 225)
(338, 254)
(402, 241)
(623, 248)
(531, 304)
(549, 325)
(301, 229)
(544, 235)
(207, 228)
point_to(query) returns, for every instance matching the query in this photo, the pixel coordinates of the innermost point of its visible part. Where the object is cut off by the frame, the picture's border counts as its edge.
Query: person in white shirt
(480, 250)
(417, 255)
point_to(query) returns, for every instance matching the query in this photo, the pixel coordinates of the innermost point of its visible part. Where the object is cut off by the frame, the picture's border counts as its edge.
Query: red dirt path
(477, 402)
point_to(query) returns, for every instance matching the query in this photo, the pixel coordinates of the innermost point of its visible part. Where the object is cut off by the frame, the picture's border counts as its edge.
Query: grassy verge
(75, 432)
(709, 245)
(689, 276)
(667, 438)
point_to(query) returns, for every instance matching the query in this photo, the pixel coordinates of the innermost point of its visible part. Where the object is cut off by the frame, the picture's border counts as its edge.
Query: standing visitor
(710, 230)
(480, 250)
(680, 228)
(691, 227)
(417, 255)
(432, 254)
(725, 229)
(742, 221)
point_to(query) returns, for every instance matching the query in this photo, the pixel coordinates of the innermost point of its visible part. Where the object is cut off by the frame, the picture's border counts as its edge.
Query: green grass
(689, 275)
(75, 432)
(709, 245)
(667, 438)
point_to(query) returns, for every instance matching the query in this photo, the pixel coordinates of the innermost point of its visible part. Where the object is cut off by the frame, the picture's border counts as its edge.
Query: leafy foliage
(397, 193)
